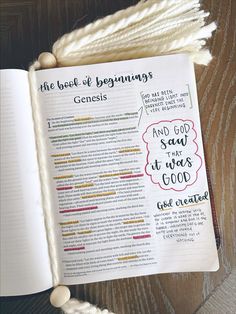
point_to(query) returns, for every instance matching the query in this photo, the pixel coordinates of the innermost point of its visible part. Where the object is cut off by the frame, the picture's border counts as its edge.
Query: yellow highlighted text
(126, 258)
(129, 150)
(66, 161)
(137, 221)
(84, 185)
(60, 155)
(74, 160)
(115, 174)
(68, 234)
(63, 177)
(84, 232)
(83, 119)
(98, 195)
(72, 222)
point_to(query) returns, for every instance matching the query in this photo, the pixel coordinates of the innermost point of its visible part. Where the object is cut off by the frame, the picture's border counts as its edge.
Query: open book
(124, 173)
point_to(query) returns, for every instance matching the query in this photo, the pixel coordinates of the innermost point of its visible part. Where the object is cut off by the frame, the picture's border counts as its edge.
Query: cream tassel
(147, 29)
(150, 28)
(60, 297)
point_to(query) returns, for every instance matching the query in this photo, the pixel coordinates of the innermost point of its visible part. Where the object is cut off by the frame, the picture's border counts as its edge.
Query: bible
(104, 178)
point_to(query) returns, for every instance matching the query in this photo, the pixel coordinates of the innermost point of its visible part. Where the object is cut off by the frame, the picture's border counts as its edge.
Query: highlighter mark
(72, 222)
(130, 150)
(60, 155)
(60, 162)
(84, 185)
(166, 209)
(136, 221)
(115, 174)
(132, 176)
(83, 119)
(74, 248)
(126, 258)
(80, 209)
(64, 188)
(63, 177)
(144, 236)
(66, 161)
(98, 195)
(68, 234)
(84, 232)
(74, 160)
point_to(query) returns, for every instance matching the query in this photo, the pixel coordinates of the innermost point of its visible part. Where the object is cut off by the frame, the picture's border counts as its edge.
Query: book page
(24, 261)
(127, 170)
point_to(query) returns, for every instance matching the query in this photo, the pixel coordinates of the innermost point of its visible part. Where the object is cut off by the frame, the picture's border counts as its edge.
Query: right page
(175, 171)
(126, 169)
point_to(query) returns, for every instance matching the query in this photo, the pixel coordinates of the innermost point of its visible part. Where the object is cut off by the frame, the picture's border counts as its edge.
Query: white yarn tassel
(74, 306)
(60, 297)
(150, 28)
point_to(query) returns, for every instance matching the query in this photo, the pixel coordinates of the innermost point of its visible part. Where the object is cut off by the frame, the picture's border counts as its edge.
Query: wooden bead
(47, 60)
(59, 296)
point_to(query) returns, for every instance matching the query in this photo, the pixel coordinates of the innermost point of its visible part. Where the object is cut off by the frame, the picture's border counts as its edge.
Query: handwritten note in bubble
(172, 159)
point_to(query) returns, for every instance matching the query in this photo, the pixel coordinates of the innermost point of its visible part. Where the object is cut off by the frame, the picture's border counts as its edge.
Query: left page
(24, 261)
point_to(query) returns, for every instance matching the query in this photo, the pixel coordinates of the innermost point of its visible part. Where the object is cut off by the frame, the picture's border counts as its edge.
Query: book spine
(44, 177)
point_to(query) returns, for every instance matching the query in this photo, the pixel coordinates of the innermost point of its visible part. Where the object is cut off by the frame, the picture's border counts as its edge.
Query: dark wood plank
(29, 27)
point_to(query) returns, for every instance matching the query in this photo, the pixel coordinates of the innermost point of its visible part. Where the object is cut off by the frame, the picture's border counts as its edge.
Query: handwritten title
(96, 82)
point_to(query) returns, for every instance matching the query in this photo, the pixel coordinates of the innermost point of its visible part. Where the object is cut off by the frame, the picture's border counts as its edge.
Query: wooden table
(29, 27)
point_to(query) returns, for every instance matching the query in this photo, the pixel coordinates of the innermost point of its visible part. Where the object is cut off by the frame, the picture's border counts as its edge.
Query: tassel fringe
(147, 29)
(74, 306)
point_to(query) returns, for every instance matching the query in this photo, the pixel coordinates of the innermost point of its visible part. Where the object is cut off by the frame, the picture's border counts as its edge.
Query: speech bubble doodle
(172, 161)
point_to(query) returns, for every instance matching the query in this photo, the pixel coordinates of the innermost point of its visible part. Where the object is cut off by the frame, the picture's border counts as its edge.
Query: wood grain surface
(29, 27)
